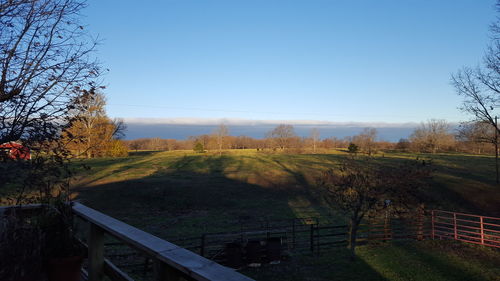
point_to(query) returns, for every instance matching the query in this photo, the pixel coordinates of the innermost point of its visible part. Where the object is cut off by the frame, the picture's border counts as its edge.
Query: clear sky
(362, 61)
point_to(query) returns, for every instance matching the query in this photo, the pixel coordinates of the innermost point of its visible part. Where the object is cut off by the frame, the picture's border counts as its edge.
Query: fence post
(312, 238)
(96, 253)
(318, 239)
(482, 230)
(146, 265)
(202, 246)
(293, 233)
(432, 224)
(455, 226)
(386, 228)
(420, 227)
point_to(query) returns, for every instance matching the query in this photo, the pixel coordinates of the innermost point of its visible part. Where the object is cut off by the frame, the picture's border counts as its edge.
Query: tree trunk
(353, 230)
(496, 149)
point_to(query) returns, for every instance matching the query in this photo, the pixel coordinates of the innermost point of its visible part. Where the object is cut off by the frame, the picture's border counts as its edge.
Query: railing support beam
(162, 272)
(96, 253)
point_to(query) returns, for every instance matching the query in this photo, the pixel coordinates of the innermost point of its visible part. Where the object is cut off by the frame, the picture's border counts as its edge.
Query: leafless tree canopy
(282, 135)
(366, 140)
(433, 136)
(220, 135)
(480, 87)
(45, 59)
(362, 187)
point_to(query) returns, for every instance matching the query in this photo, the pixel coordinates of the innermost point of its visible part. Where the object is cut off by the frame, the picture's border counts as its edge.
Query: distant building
(14, 151)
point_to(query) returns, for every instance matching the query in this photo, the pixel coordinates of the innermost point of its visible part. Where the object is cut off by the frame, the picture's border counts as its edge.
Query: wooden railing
(466, 227)
(171, 262)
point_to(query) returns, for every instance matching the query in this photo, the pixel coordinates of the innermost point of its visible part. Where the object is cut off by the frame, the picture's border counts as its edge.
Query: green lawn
(182, 194)
(397, 261)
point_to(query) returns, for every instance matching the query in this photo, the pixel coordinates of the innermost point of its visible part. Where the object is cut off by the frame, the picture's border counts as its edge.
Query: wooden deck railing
(466, 227)
(171, 262)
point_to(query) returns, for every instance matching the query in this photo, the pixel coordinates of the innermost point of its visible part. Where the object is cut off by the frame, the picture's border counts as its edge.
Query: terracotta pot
(65, 269)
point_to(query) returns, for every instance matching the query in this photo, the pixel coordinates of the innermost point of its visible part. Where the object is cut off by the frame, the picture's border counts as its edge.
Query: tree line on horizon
(433, 136)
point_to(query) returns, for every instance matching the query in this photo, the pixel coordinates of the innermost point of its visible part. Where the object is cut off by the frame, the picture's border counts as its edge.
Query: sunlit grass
(398, 261)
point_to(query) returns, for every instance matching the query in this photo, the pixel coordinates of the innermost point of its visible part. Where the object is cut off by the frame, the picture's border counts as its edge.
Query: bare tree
(282, 135)
(432, 136)
(315, 138)
(480, 87)
(359, 188)
(220, 135)
(45, 59)
(366, 140)
(481, 132)
(477, 132)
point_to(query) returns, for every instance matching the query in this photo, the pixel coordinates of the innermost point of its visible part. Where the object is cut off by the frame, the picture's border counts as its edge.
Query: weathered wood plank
(132, 236)
(199, 267)
(175, 257)
(96, 253)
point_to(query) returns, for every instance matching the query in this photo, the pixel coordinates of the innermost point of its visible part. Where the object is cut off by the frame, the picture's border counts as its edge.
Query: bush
(117, 148)
(198, 147)
(353, 148)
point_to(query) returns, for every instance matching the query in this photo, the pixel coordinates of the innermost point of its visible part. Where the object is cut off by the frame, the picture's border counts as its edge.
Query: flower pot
(65, 269)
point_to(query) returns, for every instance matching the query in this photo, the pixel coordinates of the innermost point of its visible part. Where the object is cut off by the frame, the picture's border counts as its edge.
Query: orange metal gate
(466, 227)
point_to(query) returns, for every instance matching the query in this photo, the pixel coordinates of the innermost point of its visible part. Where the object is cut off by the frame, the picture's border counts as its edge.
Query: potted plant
(39, 244)
(62, 253)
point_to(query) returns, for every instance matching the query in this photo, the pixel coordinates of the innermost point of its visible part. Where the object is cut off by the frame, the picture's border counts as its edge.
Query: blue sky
(339, 61)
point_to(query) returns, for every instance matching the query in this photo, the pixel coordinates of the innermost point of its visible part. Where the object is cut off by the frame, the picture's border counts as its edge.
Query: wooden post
(293, 233)
(318, 239)
(96, 253)
(432, 224)
(496, 149)
(420, 226)
(482, 230)
(163, 272)
(202, 247)
(386, 228)
(312, 238)
(455, 225)
(146, 265)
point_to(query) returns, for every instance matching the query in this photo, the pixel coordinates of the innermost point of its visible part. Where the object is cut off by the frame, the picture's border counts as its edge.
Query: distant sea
(136, 130)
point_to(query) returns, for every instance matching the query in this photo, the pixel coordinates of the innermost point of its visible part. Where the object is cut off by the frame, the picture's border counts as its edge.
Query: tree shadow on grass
(179, 202)
(205, 201)
(143, 153)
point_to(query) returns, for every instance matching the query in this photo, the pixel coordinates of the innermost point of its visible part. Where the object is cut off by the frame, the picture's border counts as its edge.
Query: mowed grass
(184, 194)
(397, 261)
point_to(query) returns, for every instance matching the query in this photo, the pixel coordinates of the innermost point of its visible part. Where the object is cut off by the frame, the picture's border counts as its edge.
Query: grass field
(397, 261)
(182, 193)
